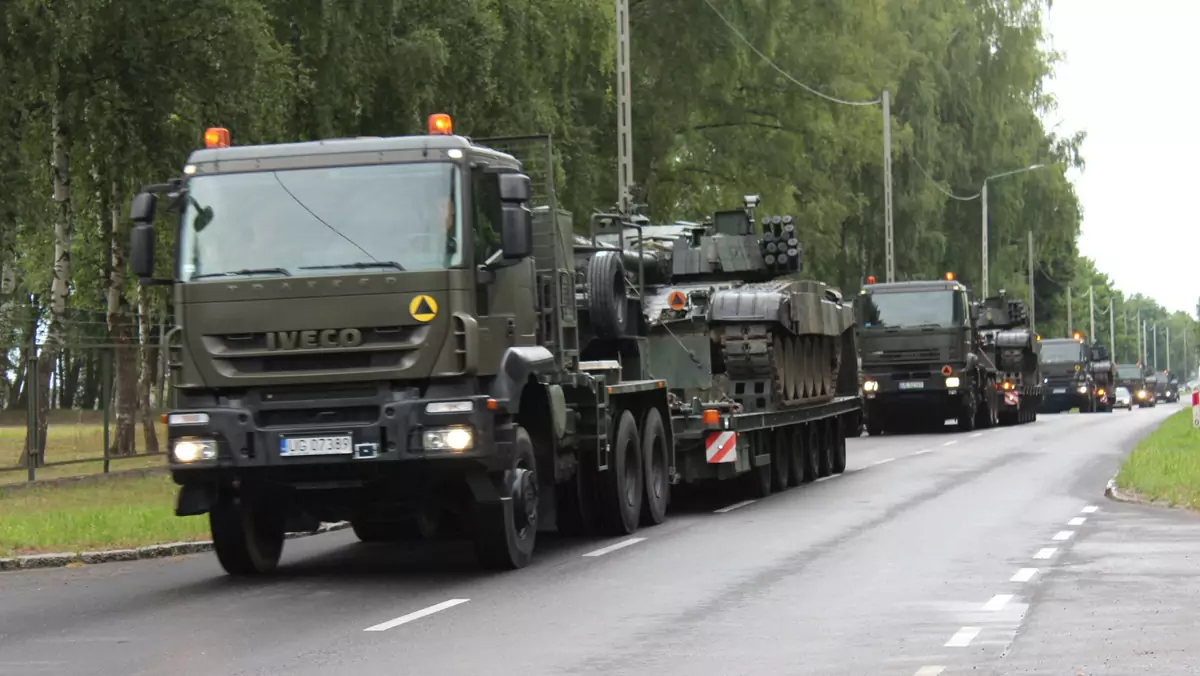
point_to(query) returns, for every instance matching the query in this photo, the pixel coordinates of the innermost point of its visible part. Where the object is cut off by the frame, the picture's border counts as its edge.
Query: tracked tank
(727, 316)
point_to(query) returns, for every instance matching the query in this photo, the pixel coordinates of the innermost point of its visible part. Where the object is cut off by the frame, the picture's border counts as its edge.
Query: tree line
(100, 97)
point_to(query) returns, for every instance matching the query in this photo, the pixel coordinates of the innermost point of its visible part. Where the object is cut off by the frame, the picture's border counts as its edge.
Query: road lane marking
(923, 451)
(405, 619)
(963, 638)
(1090, 509)
(1045, 552)
(997, 602)
(977, 434)
(883, 462)
(612, 548)
(1023, 575)
(831, 476)
(951, 442)
(1077, 521)
(734, 506)
(1063, 535)
(929, 671)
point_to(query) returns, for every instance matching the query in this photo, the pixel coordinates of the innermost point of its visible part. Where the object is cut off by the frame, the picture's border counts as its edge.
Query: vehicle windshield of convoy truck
(912, 309)
(1129, 372)
(322, 221)
(1056, 352)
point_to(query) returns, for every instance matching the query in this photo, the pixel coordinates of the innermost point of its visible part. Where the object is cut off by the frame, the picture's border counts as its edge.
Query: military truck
(1132, 378)
(1156, 384)
(1014, 350)
(1067, 376)
(1172, 389)
(400, 333)
(923, 357)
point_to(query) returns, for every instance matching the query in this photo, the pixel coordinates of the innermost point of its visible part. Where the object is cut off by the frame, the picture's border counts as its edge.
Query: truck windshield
(1129, 373)
(1061, 352)
(899, 309)
(322, 221)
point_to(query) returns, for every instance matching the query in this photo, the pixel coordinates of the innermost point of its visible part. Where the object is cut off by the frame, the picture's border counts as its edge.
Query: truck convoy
(400, 333)
(929, 354)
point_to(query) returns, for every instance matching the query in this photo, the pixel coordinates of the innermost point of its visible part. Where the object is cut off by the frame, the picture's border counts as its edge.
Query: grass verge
(116, 513)
(1165, 466)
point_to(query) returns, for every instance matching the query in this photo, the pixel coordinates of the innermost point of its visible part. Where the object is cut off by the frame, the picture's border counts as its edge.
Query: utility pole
(1154, 330)
(1168, 348)
(1112, 330)
(1032, 301)
(1070, 324)
(983, 195)
(1139, 357)
(888, 235)
(1092, 313)
(624, 114)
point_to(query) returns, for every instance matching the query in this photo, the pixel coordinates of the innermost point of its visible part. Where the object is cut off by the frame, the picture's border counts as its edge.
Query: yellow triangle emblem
(423, 308)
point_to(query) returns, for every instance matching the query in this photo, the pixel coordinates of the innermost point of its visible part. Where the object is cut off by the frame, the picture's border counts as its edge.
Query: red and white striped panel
(720, 447)
(1012, 398)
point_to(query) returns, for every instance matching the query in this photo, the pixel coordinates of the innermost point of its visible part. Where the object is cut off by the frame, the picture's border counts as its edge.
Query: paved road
(921, 559)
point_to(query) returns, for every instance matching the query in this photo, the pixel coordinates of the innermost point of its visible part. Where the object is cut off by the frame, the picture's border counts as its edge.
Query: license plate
(912, 385)
(342, 444)
(1060, 390)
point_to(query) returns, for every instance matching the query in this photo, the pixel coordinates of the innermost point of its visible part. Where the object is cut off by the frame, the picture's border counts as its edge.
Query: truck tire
(574, 502)
(756, 482)
(839, 450)
(621, 489)
(248, 539)
(966, 416)
(812, 451)
(796, 441)
(656, 469)
(781, 460)
(505, 534)
(825, 449)
(606, 294)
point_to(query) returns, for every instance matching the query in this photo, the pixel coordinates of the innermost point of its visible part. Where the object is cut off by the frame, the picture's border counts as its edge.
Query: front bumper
(1065, 395)
(894, 395)
(383, 431)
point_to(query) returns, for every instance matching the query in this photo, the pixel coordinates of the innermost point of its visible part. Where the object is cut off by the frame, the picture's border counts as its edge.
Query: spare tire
(606, 294)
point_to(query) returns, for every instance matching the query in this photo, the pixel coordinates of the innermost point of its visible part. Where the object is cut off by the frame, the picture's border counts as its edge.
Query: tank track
(771, 368)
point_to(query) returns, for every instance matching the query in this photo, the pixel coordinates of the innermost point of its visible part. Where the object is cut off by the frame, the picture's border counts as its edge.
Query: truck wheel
(812, 452)
(966, 416)
(781, 460)
(576, 509)
(248, 540)
(795, 437)
(505, 534)
(621, 486)
(606, 294)
(825, 447)
(656, 469)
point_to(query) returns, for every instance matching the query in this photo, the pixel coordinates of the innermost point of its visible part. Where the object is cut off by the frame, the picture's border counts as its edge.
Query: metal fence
(102, 413)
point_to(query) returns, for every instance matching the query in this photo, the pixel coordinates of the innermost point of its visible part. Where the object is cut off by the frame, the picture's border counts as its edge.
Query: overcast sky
(1129, 78)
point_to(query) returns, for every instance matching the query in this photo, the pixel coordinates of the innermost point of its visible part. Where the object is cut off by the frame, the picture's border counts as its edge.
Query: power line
(944, 191)
(781, 71)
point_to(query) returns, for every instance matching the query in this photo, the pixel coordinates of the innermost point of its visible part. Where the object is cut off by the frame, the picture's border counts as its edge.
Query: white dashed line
(1045, 552)
(883, 462)
(405, 619)
(1077, 521)
(1090, 509)
(734, 506)
(1063, 535)
(612, 548)
(963, 638)
(929, 671)
(1023, 575)
(976, 435)
(951, 442)
(997, 602)
(923, 451)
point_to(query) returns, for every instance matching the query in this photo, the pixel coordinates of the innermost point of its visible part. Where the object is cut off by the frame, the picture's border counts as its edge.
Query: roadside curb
(1113, 493)
(33, 561)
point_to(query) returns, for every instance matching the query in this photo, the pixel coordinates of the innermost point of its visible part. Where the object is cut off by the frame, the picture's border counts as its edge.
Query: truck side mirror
(516, 232)
(142, 209)
(141, 250)
(515, 188)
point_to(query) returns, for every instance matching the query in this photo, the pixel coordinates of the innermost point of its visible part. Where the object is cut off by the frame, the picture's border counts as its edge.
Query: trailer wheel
(839, 449)
(825, 449)
(757, 480)
(781, 460)
(621, 486)
(794, 435)
(247, 538)
(505, 533)
(656, 470)
(812, 450)
(606, 294)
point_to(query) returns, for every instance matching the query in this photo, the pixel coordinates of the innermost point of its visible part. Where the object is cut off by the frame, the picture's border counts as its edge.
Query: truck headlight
(449, 407)
(447, 439)
(952, 381)
(870, 386)
(186, 451)
(1083, 389)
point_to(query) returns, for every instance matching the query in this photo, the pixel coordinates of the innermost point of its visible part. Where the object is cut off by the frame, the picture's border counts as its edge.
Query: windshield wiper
(356, 265)
(246, 271)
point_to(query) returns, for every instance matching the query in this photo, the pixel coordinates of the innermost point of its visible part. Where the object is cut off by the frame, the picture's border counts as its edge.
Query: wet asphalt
(992, 552)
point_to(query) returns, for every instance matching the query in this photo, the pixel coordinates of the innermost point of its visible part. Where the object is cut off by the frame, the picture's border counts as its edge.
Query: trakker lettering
(313, 339)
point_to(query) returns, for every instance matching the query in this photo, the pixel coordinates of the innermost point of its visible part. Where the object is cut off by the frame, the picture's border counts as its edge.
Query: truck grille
(888, 356)
(248, 354)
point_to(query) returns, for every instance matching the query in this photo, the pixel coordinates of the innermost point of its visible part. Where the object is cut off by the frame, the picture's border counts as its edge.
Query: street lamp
(983, 193)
